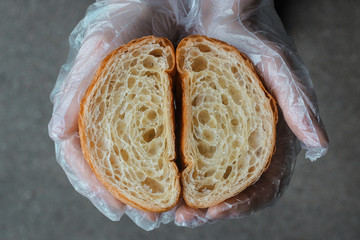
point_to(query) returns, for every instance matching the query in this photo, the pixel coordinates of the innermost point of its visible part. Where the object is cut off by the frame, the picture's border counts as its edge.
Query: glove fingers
(256, 30)
(105, 28)
(143, 215)
(286, 75)
(64, 121)
(292, 88)
(187, 216)
(85, 182)
(88, 185)
(250, 200)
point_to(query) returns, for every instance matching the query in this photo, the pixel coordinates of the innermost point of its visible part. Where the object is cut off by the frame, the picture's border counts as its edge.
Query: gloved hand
(107, 25)
(251, 26)
(254, 27)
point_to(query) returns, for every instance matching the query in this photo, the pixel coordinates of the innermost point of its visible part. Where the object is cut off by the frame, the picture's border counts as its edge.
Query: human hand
(254, 28)
(111, 23)
(107, 25)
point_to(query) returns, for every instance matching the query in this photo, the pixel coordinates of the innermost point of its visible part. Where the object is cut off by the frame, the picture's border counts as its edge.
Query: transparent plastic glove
(254, 27)
(106, 26)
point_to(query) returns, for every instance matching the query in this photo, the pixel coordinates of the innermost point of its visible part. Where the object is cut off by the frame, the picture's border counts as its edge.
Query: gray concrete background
(37, 201)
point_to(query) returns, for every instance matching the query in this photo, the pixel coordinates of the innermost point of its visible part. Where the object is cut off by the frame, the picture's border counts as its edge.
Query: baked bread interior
(228, 121)
(126, 125)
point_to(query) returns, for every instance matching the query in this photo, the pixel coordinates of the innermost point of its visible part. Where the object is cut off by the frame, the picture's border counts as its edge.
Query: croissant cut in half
(126, 123)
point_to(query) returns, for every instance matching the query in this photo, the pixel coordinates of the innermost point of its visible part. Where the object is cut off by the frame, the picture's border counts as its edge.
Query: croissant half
(126, 125)
(228, 121)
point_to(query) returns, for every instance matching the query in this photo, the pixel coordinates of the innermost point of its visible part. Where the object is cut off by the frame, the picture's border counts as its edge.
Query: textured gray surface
(37, 201)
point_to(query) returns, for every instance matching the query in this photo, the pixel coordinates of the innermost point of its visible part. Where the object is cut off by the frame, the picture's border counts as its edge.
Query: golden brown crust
(171, 72)
(184, 76)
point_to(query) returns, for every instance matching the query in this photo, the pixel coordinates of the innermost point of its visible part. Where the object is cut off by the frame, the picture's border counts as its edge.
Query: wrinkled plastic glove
(254, 27)
(107, 25)
(251, 26)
